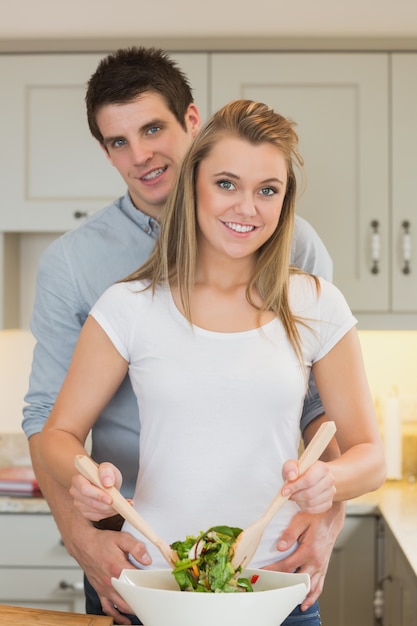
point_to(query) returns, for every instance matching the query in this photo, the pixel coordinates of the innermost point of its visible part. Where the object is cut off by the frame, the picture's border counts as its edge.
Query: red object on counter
(18, 480)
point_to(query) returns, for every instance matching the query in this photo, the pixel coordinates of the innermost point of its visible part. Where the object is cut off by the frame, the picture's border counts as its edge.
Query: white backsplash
(391, 364)
(14, 449)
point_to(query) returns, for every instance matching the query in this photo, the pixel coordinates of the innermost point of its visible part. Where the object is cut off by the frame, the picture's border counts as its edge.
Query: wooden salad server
(89, 469)
(247, 542)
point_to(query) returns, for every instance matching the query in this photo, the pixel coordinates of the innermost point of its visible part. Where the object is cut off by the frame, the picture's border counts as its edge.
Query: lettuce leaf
(204, 562)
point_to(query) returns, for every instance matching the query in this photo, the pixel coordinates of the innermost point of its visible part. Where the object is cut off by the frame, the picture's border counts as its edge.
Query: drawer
(31, 585)
(32, 540)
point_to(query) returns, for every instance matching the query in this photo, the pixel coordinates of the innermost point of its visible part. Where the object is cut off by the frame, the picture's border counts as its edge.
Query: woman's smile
(240, 228)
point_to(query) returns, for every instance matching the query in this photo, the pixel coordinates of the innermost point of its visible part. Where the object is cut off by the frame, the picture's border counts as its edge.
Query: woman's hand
(314, 490)
(93, 503)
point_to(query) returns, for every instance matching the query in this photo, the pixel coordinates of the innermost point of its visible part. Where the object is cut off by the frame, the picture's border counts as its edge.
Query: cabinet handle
(406, 247)
(375, 247)
(78, 586)
(80, 214)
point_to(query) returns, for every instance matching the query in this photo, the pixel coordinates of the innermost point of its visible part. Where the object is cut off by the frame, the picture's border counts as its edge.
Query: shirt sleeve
(56, 323)
(310, 254)
(115, 312)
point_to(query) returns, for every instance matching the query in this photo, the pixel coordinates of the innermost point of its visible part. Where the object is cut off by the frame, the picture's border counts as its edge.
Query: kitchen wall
(16, 347)
(391, 364)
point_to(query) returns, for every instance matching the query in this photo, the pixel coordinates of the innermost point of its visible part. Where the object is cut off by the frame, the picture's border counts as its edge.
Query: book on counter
(18, 480)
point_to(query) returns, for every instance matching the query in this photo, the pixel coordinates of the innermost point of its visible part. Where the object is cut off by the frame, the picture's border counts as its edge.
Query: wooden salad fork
(89, 469)
(246, 544)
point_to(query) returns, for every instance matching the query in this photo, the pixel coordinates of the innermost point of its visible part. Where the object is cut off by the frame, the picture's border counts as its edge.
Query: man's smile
(154, 173)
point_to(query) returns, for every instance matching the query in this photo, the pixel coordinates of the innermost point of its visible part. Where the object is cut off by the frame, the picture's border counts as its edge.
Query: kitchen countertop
(23, 505)
(10, 615)
(396, 501)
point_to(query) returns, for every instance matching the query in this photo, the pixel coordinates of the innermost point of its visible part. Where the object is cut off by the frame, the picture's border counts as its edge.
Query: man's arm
(56, 323)
(100, 553)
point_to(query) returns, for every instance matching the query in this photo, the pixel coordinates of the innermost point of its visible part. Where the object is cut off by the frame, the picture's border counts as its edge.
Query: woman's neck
(219, 301)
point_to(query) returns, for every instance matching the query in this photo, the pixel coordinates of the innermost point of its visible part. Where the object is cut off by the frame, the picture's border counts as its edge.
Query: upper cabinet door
(53, 173)
(404, 188)
(340, 104)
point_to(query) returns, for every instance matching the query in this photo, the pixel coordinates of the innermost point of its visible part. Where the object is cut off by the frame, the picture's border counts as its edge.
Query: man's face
(146, 144)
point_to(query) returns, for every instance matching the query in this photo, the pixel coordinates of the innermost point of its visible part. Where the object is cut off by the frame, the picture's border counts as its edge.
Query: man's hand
(103, 554)
(100, 553)
(316, 536)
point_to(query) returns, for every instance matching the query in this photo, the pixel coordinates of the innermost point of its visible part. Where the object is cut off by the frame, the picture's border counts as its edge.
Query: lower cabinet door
(347, 598)
(399, 585)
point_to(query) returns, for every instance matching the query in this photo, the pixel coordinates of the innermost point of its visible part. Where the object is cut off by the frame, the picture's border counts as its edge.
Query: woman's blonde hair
(173, 260)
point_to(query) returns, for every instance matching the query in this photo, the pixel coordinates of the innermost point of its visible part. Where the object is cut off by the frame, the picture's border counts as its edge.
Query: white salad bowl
(156, 599)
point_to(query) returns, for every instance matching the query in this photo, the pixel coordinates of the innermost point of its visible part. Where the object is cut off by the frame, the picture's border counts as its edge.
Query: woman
(219, 335)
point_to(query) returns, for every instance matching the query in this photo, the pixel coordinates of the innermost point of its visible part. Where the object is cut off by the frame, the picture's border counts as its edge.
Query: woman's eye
(268, 191)
(226, 184)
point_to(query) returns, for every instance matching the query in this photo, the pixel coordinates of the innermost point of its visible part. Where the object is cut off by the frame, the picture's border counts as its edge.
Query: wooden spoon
(89, 469)
(248, 541)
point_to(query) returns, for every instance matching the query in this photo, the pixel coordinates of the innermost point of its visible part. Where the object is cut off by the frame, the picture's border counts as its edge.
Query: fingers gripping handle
(89, 469)
(311, 454)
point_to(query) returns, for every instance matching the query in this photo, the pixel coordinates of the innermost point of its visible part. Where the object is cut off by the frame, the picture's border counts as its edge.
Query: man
(141, 111)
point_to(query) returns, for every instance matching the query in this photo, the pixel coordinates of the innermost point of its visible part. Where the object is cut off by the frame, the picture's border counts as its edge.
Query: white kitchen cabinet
(403, 226)
(53, 172)
(356, 115)
(35, 568)
(340, 104)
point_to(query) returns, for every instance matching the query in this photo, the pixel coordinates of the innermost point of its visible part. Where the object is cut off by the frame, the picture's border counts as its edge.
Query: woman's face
(240, 192)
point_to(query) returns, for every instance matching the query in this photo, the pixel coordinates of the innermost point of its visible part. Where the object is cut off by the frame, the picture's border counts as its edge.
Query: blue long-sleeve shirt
(73, 272)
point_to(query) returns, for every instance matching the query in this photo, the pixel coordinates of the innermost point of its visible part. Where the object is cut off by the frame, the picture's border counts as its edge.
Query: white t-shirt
(220, 412)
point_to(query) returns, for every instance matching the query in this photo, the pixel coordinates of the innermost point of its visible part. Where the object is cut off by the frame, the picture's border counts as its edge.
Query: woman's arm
(344, 390)
(343, 387)
(95, 373)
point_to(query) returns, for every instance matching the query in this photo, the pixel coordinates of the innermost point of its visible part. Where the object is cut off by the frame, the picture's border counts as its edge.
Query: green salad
(204, 562)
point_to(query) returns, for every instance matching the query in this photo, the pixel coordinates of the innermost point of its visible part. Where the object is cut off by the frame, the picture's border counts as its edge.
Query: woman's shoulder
(308, 290)
(299, 279)
(127, 288)
(123, 294)
(303, 282)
